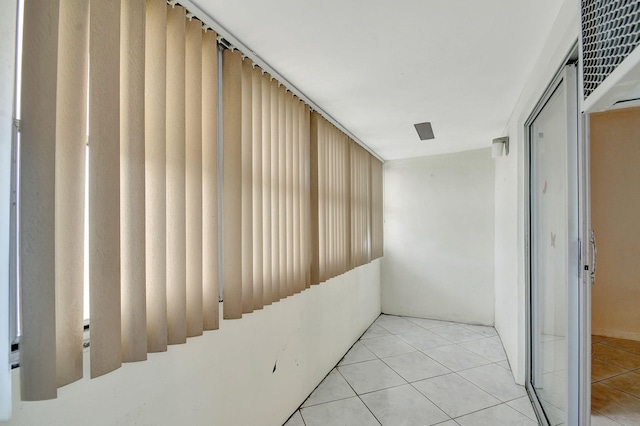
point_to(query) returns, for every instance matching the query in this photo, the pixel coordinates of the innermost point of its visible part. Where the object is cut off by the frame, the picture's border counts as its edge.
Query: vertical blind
(137, 82)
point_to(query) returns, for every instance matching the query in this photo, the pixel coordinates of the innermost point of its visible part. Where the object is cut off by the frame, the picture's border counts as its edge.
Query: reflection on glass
(549, 256)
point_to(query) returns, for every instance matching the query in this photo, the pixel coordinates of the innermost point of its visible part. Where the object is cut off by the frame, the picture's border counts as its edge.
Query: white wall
(510, 193)
(439, 237)
(7, 57)
(615, 204)
(226, 376)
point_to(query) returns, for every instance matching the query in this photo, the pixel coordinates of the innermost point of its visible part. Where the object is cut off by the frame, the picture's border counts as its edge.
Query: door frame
(578, 291)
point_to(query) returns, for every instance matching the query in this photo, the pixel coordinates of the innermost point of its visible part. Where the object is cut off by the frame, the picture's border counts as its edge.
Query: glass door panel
(553, 251)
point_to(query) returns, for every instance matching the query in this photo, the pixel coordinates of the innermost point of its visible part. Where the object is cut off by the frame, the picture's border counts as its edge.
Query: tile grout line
(354, 391)
(415, 349)
(335, 367)
(620, 390)
(459, 344)
(606, 417)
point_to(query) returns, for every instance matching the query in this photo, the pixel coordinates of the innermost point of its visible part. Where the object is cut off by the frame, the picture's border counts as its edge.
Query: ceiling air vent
(610, 34)
(425, 131)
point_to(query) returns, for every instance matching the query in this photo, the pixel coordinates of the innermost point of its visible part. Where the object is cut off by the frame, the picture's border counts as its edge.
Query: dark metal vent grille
(610, 32)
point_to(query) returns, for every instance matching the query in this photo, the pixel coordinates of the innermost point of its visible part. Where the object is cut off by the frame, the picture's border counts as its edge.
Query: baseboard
(629, 335)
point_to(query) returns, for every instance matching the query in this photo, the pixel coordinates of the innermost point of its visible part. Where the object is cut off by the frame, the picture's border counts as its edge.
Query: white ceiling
(379, 66)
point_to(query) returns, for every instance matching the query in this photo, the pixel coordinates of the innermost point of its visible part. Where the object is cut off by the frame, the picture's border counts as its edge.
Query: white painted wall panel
(439, 237)
(510, 192)
(226, 377)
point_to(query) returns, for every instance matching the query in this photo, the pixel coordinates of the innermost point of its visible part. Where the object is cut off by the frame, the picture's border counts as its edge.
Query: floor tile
(387, 346)
(628, 382)
(295, 420)
(552, 390)
(504, 364)
(370, 376)
(502, 415)
(481, 329)
(598, 419)
(597, 339)
(415, 366)
(486, 348)
(346, 412)
(554, 355)
(428, 323)
(399, 325)
(403, 405)
(550, 337)
(412, 382)
(357, 353)
(524, 406)
(424, 339)
(495, 380)
(374, 331)
(616, 356)
(456, 358)
(555, 415)
(332, 388)
(456, 333)
(624, 344)
(455, 395)
(385, 317)
(601, 370)
(616, 405)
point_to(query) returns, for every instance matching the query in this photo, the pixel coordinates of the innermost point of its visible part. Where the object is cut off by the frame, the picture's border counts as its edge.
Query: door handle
(594, 257)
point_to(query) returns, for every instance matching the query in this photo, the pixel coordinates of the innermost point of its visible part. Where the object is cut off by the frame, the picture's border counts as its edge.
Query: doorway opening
(615, 294)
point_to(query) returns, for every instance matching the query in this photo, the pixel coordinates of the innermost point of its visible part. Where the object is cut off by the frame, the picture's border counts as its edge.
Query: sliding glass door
(554, 273)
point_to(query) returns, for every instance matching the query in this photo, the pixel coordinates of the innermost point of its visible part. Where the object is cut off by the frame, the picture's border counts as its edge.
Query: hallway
(413, 371)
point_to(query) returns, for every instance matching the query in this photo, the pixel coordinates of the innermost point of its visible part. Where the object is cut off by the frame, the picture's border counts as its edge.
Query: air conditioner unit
(610, 54)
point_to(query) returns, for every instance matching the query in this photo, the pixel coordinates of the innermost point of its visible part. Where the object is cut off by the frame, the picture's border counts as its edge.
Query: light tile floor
(412, 371)
(615, 377)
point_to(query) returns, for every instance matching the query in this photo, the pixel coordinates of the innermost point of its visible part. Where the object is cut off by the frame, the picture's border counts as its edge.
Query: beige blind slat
(291, 284)
(210, 180)
(276, 290)
(132, 182)
(341, 203)
(155, 174)
(322, 199)
(306, 190)
(267, 277)
(247, 191)
(257, 189)
(295, 195)
(348, 201)
(367, 205)
(301, 229)
(332, 200)
(193, 157)
(314, 193)
(176, 197)
(282, 197)
(232, 184)
(361, 195)
(326, 200)
(71, 128)
(377, 224)
(37, 203)
(104, 187)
